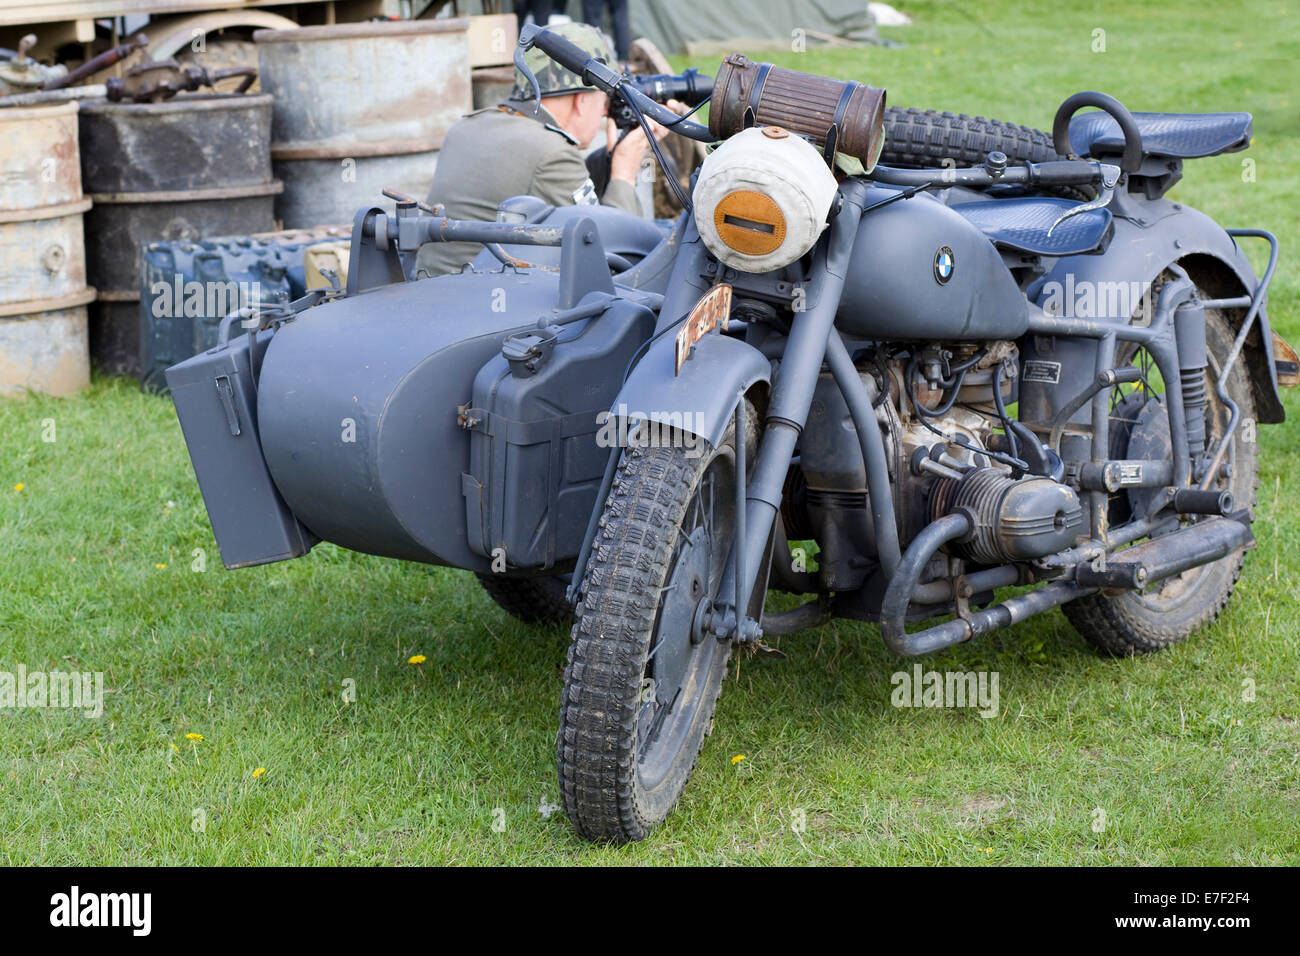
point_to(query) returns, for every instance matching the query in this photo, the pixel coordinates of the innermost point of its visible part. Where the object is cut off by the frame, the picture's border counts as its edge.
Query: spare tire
(927, 137)
(916, 137)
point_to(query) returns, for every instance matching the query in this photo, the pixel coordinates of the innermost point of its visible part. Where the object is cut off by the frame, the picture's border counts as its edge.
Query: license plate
(714, 307)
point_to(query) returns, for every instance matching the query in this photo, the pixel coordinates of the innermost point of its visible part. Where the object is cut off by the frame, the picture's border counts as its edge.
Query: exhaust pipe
(1142, 564)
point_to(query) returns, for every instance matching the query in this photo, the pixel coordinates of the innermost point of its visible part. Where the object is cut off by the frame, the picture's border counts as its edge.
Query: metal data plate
(714, 307)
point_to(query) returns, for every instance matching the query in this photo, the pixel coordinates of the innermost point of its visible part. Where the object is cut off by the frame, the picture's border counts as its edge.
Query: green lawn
(99, 549)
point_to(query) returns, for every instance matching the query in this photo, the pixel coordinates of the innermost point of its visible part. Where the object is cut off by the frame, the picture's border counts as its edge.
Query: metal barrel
(182, 169)
(360, 107)
(492, 85)
(43, 293)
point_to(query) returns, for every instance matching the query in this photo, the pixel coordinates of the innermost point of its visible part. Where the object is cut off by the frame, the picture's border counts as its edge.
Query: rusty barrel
(183, 169)
(492, 85)
(43, 293)
(360, 107)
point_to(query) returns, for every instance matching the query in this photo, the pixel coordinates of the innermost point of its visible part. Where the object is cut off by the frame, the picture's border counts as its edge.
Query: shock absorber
(1189, 329)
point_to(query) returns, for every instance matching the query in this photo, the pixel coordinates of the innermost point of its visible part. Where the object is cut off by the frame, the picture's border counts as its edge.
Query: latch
(226, 394)
(527, 351)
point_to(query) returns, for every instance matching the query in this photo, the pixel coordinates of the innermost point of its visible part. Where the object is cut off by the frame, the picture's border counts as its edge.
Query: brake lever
(1109, 179)
(525, 44)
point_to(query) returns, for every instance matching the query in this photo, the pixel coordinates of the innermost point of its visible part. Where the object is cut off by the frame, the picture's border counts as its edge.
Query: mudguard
(1170, 233)
(702, 398)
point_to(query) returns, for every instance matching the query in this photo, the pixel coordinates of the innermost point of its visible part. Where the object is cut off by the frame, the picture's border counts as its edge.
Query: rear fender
(1138, 254)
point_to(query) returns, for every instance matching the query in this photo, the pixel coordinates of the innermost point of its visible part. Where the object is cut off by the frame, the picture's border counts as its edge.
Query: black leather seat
(1166, 135)
(1021, 224)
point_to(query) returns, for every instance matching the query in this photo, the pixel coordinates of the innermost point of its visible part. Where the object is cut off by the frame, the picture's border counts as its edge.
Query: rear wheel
(1139, 622)
(642, 680)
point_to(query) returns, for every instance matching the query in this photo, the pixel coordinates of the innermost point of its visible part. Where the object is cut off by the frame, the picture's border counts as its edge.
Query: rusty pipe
(95, 65)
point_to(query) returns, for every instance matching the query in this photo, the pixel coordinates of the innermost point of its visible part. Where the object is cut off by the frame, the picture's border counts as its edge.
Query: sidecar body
(448, 420)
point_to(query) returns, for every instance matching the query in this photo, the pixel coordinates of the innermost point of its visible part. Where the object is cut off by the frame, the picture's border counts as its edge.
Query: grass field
(452, 760)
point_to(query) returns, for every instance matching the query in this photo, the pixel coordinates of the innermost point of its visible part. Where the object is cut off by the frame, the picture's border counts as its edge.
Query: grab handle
(1132, 158)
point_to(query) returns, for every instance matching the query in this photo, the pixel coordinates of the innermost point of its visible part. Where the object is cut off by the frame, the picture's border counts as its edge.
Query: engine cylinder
(1013, 520)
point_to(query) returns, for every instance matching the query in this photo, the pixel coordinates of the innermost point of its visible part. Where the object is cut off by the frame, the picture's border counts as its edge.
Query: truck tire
(1135, 622)
(642, 684)
(538, 600)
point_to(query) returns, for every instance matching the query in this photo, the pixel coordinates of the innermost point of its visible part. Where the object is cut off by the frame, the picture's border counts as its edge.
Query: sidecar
(451, 420)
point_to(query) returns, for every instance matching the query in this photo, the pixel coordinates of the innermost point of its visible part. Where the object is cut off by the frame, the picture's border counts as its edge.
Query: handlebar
(1057, 173)
(596, 72)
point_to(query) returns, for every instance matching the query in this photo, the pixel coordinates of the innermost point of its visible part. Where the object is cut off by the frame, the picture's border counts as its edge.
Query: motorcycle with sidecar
(949, 375)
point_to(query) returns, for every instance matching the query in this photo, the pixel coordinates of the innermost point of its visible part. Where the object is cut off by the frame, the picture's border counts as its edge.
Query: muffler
(1158, 558)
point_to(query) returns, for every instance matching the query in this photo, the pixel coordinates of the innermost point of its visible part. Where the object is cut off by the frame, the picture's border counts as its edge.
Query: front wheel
(642, 682)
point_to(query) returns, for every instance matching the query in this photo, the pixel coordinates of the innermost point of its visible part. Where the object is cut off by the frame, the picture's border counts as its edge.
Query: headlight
(762, 199)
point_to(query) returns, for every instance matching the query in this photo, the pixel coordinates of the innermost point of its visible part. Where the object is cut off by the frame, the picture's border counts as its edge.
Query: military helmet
(553, 79)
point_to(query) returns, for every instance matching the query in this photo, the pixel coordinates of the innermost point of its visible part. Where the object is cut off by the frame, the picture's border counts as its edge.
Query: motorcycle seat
(1164, 135)
(1021, 224)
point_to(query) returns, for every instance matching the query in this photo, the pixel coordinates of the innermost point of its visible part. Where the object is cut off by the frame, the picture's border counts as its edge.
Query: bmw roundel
(944, 264)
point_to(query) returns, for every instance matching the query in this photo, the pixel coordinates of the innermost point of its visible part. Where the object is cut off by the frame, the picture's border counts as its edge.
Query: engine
(946, 442)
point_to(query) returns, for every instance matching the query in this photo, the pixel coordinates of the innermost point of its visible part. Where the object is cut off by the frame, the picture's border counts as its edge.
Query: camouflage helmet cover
(553, 79)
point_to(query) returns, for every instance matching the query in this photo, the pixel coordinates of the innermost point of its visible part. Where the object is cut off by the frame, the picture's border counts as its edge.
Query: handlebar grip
(1061, 172)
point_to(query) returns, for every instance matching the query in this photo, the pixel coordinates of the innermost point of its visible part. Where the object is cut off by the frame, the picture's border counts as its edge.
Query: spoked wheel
(643, 680)
(1138, 622)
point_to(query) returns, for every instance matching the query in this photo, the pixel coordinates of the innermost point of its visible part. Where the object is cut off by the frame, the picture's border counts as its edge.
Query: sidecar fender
(1139, 253)
(702, 398)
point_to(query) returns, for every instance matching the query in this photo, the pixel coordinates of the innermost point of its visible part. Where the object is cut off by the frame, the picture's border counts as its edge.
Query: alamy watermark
(182, 298)
(623, 429)
(922, 688)
(1086, 299)
(63, 690)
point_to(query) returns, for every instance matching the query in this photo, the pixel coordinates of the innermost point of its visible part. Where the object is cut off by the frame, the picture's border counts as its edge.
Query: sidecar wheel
(641, 683)
(1140, 622)
(531, 600)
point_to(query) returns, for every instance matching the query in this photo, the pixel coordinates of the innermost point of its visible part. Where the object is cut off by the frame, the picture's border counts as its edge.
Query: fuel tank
(920, 271)
(357, 406)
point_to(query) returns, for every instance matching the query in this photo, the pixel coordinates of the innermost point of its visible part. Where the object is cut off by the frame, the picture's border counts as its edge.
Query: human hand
(626, 157)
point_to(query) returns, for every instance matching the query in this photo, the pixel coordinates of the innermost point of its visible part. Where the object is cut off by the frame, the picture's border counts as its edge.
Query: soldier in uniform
(511, 150)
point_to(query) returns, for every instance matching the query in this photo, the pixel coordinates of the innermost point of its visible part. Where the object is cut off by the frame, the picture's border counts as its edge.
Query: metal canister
(849, 114)
(43, 293)
(360, 107)
(182, 169)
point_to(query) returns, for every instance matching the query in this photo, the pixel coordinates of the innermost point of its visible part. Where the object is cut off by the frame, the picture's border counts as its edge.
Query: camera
(690, 87)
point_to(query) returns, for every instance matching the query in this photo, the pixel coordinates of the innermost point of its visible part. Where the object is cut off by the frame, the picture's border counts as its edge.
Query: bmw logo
(944, 263)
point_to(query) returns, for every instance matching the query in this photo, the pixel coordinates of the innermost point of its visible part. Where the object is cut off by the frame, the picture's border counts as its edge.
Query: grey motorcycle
(895, 387)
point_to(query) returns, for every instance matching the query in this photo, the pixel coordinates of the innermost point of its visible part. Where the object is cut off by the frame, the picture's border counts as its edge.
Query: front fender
(700, 400)
(1138, 254)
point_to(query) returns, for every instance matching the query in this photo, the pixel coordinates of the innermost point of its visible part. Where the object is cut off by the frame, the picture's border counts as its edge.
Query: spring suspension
(1195, 403)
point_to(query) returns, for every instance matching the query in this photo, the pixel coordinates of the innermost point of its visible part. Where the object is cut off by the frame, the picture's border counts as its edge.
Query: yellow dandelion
(193, 736)
(258, 772)
(160, 566)
(19, 487)
(417, 659)
(176, 749)
(737, 759)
